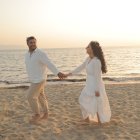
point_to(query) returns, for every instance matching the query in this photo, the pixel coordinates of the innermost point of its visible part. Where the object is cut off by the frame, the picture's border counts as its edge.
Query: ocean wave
(122, 79)
(110, 79)
(13, 82)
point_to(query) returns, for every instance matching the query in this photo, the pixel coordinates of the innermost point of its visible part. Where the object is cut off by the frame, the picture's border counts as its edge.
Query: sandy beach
(64, 115)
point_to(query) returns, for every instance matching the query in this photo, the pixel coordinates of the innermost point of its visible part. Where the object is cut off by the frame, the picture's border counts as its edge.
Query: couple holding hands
(93, 99)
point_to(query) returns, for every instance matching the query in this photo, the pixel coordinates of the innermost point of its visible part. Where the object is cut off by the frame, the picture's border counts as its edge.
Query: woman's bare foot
(87, 120)
(99, 123)
(45, 116)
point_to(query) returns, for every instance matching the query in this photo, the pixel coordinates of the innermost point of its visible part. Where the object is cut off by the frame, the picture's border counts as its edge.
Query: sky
(69, 23)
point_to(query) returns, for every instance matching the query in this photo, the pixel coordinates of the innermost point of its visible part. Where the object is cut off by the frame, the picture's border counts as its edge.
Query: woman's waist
(93, 77)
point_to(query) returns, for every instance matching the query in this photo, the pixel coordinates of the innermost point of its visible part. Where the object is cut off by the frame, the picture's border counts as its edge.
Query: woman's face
(89, 50)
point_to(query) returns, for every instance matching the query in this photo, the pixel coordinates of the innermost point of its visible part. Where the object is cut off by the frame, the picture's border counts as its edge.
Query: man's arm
(45, 60)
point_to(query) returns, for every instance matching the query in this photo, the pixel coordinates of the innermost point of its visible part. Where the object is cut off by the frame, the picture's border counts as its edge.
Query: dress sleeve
(97, 74)
(45, 60)
(79, 68)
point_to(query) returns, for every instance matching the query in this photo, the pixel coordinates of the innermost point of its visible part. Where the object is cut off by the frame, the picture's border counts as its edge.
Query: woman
(93, 100)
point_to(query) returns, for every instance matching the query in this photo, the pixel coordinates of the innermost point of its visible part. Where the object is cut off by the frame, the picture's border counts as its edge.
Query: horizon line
(25, 48)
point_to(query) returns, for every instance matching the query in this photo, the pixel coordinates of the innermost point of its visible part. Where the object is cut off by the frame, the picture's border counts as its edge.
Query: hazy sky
(69, 23)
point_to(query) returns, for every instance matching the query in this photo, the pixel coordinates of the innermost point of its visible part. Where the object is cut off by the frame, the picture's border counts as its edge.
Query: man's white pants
(36, 97)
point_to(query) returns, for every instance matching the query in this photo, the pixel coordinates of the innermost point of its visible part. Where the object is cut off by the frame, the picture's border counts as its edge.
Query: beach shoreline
(64, 114)
(62, 82)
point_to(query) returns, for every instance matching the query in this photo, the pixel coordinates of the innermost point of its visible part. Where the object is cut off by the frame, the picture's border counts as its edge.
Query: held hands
(62, 75)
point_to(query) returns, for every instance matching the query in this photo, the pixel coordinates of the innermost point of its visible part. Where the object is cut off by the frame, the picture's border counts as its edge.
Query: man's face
(32, 44)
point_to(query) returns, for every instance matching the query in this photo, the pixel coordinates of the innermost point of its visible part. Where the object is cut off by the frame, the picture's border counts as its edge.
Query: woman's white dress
(89, 103)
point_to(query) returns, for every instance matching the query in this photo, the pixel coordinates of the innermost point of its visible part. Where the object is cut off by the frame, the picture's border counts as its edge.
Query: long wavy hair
(97, 51)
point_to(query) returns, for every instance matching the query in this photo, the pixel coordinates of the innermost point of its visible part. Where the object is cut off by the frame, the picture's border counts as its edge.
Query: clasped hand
(62, 75)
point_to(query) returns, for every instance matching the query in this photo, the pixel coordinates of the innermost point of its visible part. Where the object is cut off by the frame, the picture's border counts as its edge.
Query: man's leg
(44, 103)
(33, 94)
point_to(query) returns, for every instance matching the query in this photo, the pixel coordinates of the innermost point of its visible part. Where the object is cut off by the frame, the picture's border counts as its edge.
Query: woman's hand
(69, 74)
(97, 94)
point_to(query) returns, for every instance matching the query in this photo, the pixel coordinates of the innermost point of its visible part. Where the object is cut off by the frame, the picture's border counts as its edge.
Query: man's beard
(32, 49)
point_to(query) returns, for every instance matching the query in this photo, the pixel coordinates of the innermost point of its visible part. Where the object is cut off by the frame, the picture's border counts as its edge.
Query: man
(36, 63)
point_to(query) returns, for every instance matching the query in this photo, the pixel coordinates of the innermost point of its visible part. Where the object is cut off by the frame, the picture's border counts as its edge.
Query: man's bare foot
(45, 116)
(35, 118)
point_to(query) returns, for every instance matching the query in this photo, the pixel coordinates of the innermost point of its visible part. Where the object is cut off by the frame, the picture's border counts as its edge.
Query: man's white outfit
(36, 66)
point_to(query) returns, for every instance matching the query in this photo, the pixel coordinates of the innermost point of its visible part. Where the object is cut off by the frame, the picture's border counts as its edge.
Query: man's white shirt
(37, 64)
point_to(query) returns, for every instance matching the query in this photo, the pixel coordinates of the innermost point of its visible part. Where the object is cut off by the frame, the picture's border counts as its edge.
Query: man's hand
(61, 75)
(97, 94)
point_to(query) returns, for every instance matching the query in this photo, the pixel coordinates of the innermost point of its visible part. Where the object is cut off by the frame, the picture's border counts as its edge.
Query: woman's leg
(99, 122)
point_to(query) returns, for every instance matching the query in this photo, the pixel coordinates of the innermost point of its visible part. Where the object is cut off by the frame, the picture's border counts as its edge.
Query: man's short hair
(30, 38)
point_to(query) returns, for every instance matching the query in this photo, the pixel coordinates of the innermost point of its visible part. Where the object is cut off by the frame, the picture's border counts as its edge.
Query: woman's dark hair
(97, 51)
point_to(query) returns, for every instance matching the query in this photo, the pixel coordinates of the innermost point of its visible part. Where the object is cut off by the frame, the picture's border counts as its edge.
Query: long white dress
(89, 103)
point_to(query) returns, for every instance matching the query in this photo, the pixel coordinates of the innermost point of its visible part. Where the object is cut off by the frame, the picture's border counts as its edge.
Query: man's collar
(36, 49)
